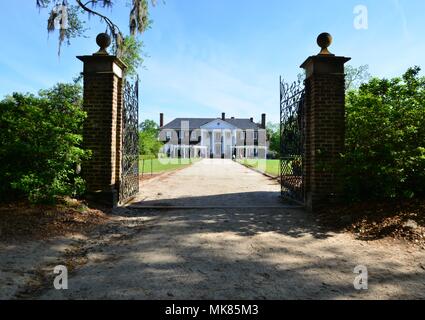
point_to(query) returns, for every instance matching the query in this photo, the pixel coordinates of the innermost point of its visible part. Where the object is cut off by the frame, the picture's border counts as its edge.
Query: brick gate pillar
(325, 125)
(103, 102)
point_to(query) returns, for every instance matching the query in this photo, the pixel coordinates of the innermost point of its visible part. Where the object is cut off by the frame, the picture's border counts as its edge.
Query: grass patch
(148, 166)
(271, 167)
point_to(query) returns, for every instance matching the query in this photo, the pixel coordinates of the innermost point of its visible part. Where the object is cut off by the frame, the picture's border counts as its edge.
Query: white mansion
(214, 138)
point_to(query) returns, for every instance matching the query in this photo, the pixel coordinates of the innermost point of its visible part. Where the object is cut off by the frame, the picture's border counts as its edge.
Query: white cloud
(400, 10)
(30, 73)
(206, 87)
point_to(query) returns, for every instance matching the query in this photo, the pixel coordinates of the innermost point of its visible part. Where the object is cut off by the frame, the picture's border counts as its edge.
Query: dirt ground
(214, 250)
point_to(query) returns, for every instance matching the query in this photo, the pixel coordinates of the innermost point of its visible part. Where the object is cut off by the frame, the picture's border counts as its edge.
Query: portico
(215, 138)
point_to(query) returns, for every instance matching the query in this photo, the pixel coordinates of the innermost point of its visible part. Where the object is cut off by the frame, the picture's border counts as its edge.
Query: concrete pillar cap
(103, 40)
(324, 40)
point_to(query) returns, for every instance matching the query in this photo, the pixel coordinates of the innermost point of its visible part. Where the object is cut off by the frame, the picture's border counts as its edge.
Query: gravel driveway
(211, 183)
(229, 253)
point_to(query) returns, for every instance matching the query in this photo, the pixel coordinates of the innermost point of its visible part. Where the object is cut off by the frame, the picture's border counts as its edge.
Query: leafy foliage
(75, 25)
(354, 77)
(126, 47)
(273, 136)
(40, 144)
(130, 54)
(148, 138)
(385, 138)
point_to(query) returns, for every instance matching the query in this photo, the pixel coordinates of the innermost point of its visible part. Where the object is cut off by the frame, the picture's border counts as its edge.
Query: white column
(213, 143)
(223, 147)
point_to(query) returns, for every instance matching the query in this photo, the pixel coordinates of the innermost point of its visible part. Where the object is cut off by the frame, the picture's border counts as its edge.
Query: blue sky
(211, 56)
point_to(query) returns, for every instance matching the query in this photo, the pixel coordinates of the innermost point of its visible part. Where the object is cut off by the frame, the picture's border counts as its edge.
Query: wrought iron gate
(292, 140)
(129, 181)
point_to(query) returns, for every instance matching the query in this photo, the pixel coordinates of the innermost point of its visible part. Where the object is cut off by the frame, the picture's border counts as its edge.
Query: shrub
(385, 138)
(149, 145)
(40, 144)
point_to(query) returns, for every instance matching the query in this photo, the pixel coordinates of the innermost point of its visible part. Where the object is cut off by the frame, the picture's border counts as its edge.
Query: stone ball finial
(324, 40)
(103, 40)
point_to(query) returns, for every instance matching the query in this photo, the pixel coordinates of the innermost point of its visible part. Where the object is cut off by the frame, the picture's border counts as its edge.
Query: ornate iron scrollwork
(292, 139)
(129, 182)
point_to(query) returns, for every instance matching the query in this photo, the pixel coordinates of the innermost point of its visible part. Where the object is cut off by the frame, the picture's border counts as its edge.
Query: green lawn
(271, 167)
(148, 166)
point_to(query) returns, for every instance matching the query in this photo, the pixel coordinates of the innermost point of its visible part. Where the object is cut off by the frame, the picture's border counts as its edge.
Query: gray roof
(197, 123)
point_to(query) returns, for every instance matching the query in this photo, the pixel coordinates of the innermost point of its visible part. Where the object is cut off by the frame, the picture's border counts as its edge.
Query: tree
(131, 54)
(385, 138)
(273, 135)
(149, 144)
(41, 144)
(71, 19)
(354, 77)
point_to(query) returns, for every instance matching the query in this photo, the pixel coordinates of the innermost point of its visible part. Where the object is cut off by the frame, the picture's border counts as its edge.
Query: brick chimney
(263, 121)
(223, 116)
(161, 120)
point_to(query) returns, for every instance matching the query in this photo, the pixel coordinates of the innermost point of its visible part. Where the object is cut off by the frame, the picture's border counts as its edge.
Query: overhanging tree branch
(113, 28)
(138, 18)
